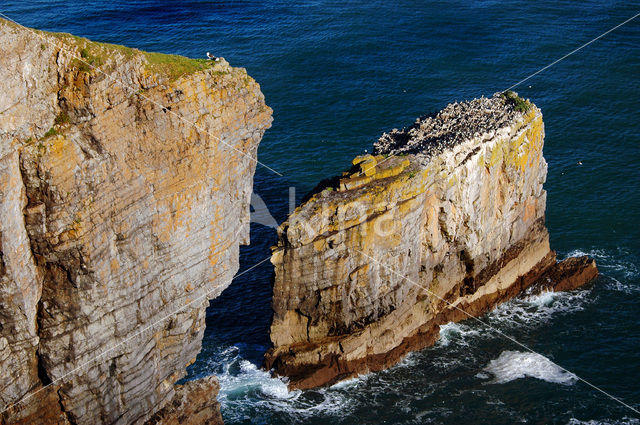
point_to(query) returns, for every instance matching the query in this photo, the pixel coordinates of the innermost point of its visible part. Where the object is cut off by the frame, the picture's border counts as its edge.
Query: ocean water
(337, 75)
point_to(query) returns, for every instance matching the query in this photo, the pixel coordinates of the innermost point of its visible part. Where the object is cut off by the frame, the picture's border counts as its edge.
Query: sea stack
(126, 182)
(444, 221)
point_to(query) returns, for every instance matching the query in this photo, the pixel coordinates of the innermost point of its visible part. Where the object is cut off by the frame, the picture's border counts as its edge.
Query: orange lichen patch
(367, 168)
(213, 255)
(359, 272)
(530, 207)
(354, 182)
(217, 245)
(115, 264)
(163, 226)
(393, 170)
(59, 156)
(320, 244)
(526, 148)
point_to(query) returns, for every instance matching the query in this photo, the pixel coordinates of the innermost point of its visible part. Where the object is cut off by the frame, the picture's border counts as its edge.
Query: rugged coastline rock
(126, 182)
(443, 222)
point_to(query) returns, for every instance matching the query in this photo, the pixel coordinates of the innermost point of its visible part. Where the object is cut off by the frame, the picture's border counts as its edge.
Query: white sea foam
(540, 308)
(512, 365)
(458, 333)
(249, 378)
(623, 421)
(529, 311)
(533, 310)
(247, 390)
(349, 384)
(613, 264)
(615, 285)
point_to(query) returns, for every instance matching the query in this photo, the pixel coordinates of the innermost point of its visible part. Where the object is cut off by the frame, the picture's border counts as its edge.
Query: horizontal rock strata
(445, 221)
(126, 182)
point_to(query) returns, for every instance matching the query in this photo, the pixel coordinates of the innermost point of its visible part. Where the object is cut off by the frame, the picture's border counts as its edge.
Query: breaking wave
(615, 267)
(512, 365)
(249, 392)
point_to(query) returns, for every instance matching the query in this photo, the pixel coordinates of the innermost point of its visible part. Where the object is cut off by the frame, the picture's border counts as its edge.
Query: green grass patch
(62, 118)
(519, 104)
(51, 132)
(94, 54)
(174, 66)
(90, 59)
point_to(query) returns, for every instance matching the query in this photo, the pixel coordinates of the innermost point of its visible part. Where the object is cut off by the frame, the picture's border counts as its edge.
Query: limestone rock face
(443, 222)
(194, 403)
(124, 196)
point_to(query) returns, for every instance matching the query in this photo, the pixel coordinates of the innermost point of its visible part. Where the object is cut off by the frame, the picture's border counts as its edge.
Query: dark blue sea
(339, 73)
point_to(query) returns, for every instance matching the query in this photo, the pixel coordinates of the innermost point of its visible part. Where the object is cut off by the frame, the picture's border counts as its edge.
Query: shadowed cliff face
(116, 211)
(370, 266)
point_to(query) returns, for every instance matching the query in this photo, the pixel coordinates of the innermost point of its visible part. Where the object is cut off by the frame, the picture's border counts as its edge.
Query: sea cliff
(126, 182)
(444, 221)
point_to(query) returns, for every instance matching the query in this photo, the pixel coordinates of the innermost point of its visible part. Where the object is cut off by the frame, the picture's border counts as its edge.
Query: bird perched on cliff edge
(211, 57)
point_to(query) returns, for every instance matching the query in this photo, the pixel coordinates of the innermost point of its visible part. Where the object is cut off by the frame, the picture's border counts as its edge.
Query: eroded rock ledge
(115, 211)
(444, 221)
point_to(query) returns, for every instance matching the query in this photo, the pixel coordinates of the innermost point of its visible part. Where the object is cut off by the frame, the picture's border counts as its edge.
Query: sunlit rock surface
(125, 195)
(444, 221)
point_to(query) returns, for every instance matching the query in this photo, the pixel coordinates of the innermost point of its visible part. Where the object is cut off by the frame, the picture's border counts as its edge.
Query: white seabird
(210, 56)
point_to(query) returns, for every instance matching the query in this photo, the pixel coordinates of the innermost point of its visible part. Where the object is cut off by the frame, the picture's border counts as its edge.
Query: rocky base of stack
(546, 275)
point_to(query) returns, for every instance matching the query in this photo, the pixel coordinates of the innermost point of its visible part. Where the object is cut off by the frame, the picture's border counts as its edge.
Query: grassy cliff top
(95, 54)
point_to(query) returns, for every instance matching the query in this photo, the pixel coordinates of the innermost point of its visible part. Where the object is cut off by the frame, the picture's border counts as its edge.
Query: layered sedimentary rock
(126, 181)
(194, 403)
(443, 222)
